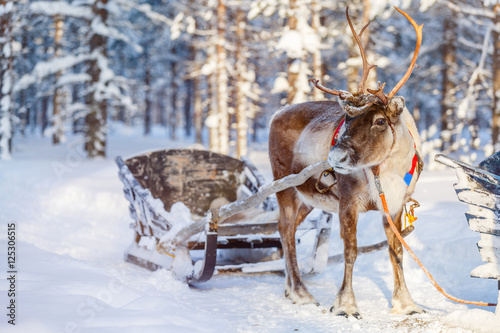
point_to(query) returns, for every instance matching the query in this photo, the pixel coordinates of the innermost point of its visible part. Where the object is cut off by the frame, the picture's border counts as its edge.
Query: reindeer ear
(395, 107)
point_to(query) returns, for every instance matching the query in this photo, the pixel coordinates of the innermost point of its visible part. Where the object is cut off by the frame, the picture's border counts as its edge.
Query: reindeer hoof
(414, 312)
(305, 299)
(342, 313)
(409, 311)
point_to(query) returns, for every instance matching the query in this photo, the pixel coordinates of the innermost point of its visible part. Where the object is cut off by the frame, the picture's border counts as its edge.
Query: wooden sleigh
(479, 187)
(165, 186)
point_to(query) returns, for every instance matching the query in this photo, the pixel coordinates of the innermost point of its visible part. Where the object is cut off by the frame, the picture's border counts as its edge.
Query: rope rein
(376, 173)
(409, 216)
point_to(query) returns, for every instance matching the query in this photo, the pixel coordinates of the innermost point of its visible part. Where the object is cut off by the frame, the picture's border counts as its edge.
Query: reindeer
(375, 136)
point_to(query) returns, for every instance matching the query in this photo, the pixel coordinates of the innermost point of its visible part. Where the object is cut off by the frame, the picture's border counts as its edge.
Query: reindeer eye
(380, 121)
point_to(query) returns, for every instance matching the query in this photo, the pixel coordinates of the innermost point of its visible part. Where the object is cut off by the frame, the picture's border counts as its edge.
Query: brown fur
(300, 135)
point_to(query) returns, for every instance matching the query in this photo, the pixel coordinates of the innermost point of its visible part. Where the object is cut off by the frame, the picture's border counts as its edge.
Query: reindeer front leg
(402, 302)
(345, 302)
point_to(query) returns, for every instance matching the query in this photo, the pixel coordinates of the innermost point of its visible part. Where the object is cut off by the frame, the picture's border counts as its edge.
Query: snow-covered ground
(73, 226)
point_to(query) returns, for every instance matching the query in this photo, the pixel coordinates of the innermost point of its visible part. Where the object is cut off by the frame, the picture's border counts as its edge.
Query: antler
(360, 99)
(418, 30)
(380, 93)
(366, 66)
(341, 93)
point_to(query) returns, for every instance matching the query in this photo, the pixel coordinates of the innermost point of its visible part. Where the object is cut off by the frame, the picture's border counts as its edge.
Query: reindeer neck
(402, 150)
(392, 174)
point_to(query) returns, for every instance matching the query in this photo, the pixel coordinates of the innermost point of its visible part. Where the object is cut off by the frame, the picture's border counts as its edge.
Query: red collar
(337, 130)
(414, 161)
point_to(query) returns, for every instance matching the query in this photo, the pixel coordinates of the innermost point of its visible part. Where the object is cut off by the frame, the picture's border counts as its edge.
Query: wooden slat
(483, 225)
(487, 271)
(480, 175)
(248, 229)
(489, 248)
(480, 189)
(490, 254)
(478, 198)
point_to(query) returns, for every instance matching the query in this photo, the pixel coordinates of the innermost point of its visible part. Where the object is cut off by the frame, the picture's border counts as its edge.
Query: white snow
(73, 228)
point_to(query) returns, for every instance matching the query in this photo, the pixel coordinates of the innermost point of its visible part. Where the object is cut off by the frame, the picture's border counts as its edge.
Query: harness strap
(330, 171)
(336, 133)
(415, 161)
(409, 175)
(376, 174)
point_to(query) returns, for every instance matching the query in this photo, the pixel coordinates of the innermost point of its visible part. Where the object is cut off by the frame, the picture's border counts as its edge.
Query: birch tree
(57, 117)
(448, 76)
(495, 131)
(316, 55)
(222, 79)
(482, 82)
(6, 78)
(241, 103)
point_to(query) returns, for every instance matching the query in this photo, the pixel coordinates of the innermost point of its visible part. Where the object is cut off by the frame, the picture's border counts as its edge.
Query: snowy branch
(46, 68)
(53, 8)
(468, 10)
(145, 9)
(99, 28)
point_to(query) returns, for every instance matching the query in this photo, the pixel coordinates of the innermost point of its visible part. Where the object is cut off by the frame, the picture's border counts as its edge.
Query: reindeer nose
(337, 157)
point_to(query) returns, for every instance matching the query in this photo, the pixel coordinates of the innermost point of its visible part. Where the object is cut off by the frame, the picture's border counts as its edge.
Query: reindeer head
(370, 115)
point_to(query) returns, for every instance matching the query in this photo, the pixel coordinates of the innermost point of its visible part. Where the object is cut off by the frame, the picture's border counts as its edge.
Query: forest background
(216, 70)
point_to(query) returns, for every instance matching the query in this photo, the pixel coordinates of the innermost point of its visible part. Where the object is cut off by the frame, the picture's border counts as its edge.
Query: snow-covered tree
(496, 78)
(7, 9)
(100, 74)
(241, 104)
(478, 39)
(222, 79)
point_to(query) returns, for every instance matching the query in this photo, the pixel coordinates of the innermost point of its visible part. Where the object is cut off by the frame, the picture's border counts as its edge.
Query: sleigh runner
(169, 189)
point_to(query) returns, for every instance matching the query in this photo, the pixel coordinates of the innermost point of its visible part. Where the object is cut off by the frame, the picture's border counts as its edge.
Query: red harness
(336, 134)
(409, 175)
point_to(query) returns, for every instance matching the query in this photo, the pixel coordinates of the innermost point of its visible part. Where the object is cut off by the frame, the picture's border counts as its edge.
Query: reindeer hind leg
(292, 213)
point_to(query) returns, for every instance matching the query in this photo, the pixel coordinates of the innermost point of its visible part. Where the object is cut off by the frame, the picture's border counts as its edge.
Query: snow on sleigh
(479, 187)
(222, 218)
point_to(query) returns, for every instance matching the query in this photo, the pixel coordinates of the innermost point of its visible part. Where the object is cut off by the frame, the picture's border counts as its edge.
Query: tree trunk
(147, 90)
(198, 105)
(495, 131)
(57, 121)
(448, 100)
(317, 66)
(293, 63)
(188, 115)
(241, 101)
(172, 119)
(24, 102)
(45, 111)
(222, 80)
(75, 99)
(95, 121)
(213, 116)
(6, 78)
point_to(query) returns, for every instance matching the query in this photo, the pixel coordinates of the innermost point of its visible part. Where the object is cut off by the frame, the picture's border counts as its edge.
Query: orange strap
(434, 283)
